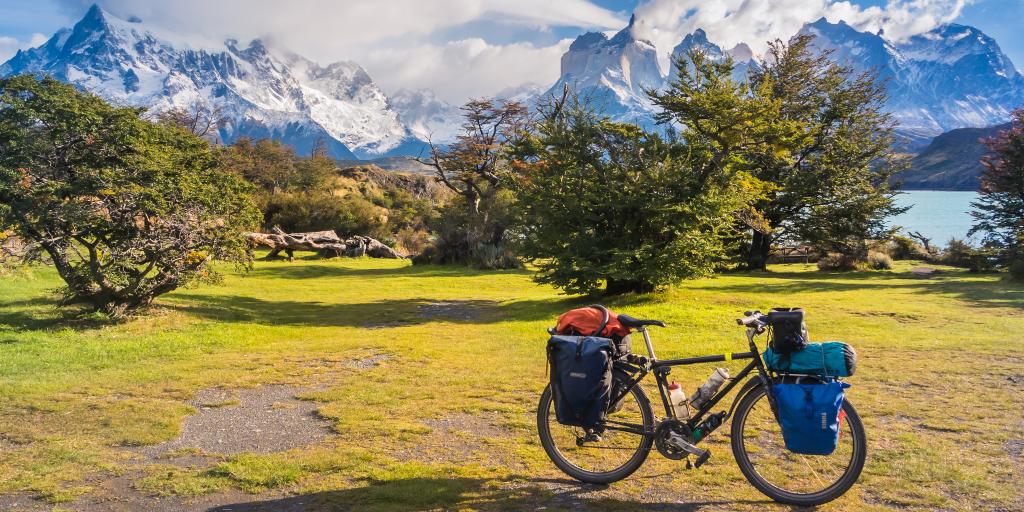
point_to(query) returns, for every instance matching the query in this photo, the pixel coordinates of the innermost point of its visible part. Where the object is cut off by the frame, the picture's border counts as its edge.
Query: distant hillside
(952, 161)
(392, 163)
(372, 178)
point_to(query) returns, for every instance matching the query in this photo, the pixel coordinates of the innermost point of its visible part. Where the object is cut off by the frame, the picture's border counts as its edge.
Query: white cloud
(401, 43)
(10, 45)
(755, 22)
(467, 68)
(409, 43)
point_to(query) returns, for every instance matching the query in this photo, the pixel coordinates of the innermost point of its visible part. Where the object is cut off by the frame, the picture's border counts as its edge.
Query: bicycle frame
(662, 368)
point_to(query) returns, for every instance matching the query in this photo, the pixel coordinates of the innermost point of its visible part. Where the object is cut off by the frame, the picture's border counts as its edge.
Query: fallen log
(327, 243)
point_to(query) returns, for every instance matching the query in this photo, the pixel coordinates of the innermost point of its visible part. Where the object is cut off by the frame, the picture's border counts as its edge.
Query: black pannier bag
(581, 378)
(581, 375)
(789, 333)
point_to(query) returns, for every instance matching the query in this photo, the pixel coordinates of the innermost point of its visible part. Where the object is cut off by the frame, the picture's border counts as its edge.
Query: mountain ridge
(953, 76)
(951, 161)
(262, 91)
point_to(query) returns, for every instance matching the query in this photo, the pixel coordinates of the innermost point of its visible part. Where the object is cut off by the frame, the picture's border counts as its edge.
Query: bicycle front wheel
(792, 478)
(617, 450)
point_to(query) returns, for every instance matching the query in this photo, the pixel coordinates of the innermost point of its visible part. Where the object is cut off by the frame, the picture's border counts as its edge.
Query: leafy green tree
(124, 209)
(607, 203)
(312, 174)
(269, 164)
(810, 129)
(999, 211)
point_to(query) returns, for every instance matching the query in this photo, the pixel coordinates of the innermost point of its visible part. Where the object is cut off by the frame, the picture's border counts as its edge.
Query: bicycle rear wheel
(614, 455)
(792, 478)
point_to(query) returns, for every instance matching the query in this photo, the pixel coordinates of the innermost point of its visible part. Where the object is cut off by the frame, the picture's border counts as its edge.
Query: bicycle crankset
(672, 438)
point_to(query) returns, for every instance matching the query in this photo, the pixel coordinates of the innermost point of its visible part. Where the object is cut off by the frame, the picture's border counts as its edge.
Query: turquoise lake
(937, 214)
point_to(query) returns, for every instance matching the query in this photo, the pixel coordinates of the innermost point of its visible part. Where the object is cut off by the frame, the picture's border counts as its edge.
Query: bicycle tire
(837, 489)
(544, 409)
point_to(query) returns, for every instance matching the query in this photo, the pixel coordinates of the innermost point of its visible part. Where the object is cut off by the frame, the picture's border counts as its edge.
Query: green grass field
(444, 417)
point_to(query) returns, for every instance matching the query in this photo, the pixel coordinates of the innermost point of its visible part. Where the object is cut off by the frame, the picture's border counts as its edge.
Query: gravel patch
(264, 419)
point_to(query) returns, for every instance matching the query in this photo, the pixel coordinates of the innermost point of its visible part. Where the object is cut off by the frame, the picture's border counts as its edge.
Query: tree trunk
(760, 250)
(327, 243)
(620, 286)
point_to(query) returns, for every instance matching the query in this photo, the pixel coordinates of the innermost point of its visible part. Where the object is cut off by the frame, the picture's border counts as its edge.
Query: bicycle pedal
(689, 465)
(702, 459)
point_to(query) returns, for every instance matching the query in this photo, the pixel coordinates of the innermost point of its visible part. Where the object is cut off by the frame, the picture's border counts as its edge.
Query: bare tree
(925, 241)
(200, 119)
(474, 166)
(477, 167)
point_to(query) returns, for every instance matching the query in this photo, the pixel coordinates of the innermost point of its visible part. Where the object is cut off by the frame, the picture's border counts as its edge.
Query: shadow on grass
(43, 314)
(318, 270)
(462, 493)
(999, 293)
(379, 314)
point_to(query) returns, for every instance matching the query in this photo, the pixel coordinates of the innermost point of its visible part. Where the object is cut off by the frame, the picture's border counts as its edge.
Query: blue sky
(463, 48)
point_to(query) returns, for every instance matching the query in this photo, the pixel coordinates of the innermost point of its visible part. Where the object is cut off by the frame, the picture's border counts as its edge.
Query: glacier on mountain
(261, 91)
(950, 77)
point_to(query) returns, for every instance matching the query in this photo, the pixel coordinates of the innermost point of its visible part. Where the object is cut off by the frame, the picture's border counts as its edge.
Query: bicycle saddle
(628, 321)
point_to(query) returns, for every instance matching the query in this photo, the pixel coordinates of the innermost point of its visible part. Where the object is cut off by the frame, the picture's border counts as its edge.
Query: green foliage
(811, 129)
(959, 253)
(835, 261)
(607, 203)
(320, 211)
(906, 248)
(999, 211)
(1016, 268)
(125, 209)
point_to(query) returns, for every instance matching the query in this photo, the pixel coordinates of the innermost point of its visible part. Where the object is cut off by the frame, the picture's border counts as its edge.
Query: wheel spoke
(619, 443)
(784, 475)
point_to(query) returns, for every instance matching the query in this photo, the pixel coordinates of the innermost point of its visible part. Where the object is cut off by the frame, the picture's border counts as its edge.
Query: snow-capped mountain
(741, 54)
(262, 91)
(951, 77)
(612, 73)
(426, 116)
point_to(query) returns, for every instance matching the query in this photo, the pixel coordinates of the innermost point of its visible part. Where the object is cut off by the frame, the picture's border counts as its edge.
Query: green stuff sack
(828, 359)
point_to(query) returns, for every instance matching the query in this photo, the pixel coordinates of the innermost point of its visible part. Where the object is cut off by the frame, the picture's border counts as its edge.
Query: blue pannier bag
(809, 415)
(581, 378)
(828, 359)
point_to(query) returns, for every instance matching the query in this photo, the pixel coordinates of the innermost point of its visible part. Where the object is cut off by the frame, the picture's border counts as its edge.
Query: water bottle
(709, 388)
(677, 398)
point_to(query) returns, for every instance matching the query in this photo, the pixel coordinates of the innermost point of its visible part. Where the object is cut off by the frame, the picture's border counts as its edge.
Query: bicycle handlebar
(753, 319)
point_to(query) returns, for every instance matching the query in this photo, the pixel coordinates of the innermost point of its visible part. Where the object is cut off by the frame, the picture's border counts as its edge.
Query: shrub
(837, 262)
(905, 248)
(125, 209)
(879, 261)
(347, 216)
(959, 253)
(412, 241)
(458, 236)
(1016, 268)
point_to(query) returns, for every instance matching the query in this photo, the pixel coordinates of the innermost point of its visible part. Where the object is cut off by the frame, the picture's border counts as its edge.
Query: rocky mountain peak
(263, 90)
